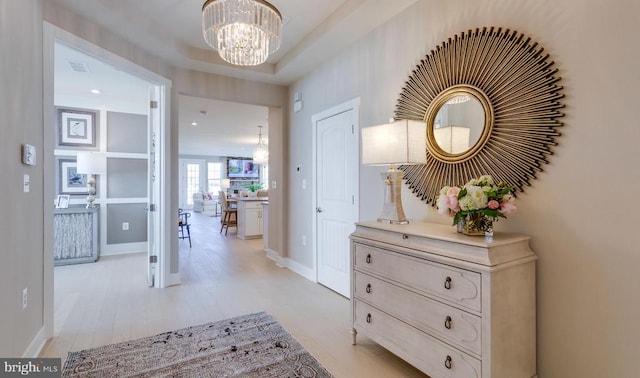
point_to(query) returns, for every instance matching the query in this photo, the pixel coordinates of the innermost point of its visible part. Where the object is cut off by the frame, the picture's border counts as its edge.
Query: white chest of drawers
(449, 304)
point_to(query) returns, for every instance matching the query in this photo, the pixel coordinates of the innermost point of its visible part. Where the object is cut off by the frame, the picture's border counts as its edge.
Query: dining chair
(184, 227)
(229, 215)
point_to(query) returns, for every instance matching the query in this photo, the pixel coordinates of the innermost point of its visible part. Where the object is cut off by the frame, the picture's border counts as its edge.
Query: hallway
(222, 277)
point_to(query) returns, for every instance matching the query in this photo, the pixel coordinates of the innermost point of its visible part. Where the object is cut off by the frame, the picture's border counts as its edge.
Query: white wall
(580, 211)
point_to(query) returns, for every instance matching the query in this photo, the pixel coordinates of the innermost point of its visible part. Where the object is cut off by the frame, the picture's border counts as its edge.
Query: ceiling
(313, 31)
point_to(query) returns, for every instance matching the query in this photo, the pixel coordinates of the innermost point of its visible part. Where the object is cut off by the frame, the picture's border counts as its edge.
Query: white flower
(475, 198)
(486, 180)
(442, 204)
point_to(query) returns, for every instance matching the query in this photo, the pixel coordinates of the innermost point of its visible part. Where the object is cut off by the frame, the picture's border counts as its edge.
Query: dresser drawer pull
(368, 289)
(447, 362)
(368, 260)
(368, 318)
(447, 283)
(405, 236)
(447, 322)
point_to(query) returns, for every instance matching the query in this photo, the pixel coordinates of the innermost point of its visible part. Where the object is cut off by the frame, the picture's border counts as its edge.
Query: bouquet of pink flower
(480, 195)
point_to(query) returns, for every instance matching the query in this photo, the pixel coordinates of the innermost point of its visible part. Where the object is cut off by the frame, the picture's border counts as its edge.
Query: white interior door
(336, 196)
(153, 190)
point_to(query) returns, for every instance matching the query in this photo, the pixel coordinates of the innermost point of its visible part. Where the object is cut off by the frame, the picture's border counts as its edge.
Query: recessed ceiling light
(95, 91)
(194, 123)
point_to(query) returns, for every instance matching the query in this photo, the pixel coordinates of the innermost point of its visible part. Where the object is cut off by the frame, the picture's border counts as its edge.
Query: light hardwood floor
(109, 301)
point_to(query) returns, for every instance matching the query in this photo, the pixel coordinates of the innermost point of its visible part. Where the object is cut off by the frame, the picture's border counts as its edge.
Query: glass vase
(476, 224)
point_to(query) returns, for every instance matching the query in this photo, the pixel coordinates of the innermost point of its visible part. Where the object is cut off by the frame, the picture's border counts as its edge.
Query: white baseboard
(292, 265)
(273, 255)
(173, 279)
(123, 249)
(302, 270)
(36, 345)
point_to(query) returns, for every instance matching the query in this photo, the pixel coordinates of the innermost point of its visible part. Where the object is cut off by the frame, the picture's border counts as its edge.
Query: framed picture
(62, 202)
(76, 128)
(70, 181)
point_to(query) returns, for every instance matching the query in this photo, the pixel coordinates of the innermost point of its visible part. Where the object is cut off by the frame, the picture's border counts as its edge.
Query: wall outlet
(125, 226)
(304, 240)
(25, 298)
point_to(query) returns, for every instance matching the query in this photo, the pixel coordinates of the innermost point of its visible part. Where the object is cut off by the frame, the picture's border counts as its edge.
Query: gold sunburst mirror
(491, 101)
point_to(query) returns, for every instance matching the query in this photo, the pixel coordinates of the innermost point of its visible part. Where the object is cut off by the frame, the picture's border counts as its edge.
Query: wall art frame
(77, 128)
(523, 106)
(62, 201)
(69, 180)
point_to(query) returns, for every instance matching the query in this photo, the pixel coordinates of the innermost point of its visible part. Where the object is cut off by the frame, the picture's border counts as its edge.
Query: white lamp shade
(92, 163)
(226, 183)
(400, 142)
(452, 139)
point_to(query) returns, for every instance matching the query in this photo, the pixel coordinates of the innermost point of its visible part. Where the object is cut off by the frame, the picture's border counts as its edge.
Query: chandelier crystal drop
(261, 153)
(460, 99)
(244, 32)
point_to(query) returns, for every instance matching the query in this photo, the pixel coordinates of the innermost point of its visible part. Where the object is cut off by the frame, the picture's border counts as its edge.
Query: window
(214, 175)
(193, 181)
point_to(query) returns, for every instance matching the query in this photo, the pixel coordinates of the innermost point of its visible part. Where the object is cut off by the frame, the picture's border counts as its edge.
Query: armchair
(205, 203)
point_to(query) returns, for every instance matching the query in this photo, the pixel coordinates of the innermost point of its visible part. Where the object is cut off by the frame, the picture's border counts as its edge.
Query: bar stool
(229, 215)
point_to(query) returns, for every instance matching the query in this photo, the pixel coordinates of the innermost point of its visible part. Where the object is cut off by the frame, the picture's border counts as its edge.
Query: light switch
(28, 154)
(304, 183)
(25, 183)
(125, 226)
(273, 184)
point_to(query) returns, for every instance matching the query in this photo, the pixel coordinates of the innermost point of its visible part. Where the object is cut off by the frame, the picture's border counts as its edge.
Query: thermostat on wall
(28, 154)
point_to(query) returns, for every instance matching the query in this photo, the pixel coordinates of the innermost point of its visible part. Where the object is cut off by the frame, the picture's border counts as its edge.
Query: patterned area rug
(252, 345)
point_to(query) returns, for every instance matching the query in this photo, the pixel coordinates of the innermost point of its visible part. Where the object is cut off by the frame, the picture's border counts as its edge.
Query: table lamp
(91, 164)
(399, 142)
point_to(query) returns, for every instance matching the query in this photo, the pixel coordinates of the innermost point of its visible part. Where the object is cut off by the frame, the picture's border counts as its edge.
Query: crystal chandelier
(261, 153)
(244, 32)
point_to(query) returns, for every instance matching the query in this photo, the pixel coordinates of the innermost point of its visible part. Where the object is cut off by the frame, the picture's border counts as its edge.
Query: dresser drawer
(421, 350)
(446, 322)
(462, 287)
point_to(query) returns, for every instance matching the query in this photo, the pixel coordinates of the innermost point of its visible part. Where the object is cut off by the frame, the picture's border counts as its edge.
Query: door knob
(318, 209)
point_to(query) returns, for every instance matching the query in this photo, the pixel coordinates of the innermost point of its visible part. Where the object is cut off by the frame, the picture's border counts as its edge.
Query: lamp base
(91, 188)
(392, 211)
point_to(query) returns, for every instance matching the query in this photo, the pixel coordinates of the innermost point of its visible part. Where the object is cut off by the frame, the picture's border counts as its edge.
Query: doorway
(336, 162)
(150, 197)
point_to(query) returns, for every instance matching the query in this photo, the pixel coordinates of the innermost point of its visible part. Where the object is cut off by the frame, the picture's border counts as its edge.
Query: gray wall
(126, 132)
(127, 178)
(21, 226)
(580, 211)
(132, 213)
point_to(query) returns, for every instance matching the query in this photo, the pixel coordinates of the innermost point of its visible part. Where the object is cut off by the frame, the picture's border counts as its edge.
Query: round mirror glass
(459, 124)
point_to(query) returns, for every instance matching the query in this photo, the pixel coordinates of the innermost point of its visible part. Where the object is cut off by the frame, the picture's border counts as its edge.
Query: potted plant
(253, 188)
